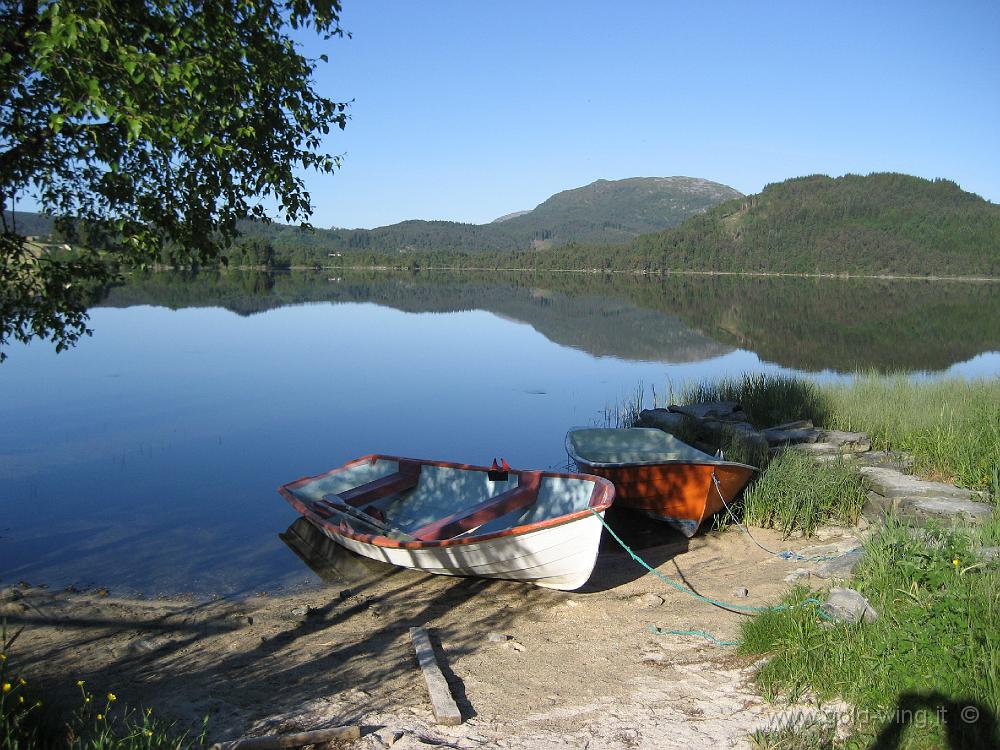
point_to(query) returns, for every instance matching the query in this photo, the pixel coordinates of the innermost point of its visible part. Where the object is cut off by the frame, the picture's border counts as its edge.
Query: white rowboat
(540, 527)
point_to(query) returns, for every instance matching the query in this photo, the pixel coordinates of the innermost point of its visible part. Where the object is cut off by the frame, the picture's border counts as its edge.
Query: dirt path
(580, 669)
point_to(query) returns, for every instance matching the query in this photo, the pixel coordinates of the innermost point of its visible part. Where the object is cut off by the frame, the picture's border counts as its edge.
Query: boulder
(847, 605)
(839, 568)
(791, 435)
(726, 411)
(891, 483)
(666, 420)
(847, 442)
(948, 511)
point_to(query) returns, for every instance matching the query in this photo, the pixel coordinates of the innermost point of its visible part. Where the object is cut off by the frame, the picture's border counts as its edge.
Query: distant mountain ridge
(604, 212)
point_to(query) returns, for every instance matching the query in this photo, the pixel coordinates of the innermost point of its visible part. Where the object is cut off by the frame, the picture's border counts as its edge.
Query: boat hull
(680, 493)
(560, 557)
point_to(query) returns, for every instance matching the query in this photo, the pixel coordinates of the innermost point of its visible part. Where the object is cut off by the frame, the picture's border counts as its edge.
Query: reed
(797, 493)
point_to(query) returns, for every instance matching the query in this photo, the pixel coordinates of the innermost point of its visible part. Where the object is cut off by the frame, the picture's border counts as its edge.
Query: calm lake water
(146, 459)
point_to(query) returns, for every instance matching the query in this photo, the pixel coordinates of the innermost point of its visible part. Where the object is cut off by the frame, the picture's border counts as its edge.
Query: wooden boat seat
(405, 478)
(466, 519)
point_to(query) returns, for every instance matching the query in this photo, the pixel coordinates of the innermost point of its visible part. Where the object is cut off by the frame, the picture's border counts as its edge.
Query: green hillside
(879, 223)
(604, 212)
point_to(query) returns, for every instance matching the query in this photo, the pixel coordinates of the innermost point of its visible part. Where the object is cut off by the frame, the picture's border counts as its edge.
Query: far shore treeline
(879, 224)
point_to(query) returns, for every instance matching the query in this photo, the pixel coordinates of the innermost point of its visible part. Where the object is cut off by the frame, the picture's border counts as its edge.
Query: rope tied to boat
(787, 554)
(742, 609)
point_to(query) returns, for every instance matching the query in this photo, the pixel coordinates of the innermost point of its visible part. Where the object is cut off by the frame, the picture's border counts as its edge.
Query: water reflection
(822, 324)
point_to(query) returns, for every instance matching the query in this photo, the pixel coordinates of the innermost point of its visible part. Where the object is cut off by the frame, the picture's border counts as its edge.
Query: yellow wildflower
(112, 697)
(149, 732)
(955, 562)
(79, 683)
(3, 657)
(22, 680)
(6, 687)
(20, 699)
(100, 716)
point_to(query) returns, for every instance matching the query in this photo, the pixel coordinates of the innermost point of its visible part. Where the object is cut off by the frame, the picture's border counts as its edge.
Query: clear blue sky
(470, 110)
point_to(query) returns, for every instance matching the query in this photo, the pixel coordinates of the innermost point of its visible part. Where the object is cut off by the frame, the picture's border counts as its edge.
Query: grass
(951, 426)
(769, 400)
(797, 493)
(933, 652)
(98, 722)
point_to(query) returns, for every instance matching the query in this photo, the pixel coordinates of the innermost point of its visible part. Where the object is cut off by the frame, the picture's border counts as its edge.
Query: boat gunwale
(707, 461)
(601, 498)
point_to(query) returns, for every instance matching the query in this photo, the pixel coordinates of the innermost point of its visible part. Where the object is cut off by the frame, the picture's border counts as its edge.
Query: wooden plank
(525, 494)
(391, 484)
(274, 741)
(442, 703)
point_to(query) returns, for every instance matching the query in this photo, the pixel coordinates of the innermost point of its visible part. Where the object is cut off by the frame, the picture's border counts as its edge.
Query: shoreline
(602, 271)
(567, 667)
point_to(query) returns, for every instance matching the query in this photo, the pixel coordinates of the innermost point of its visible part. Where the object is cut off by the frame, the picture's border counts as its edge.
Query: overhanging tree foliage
(148, 127)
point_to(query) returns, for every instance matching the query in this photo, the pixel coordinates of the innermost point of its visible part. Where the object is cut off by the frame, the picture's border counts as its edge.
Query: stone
(799, 574)
(988, 554)
(800, 424)
(847, 442)
(922, 510)
(892, 483)
(653, 657)
(495, 637)
(648, 601)
(741, 593)
(300, 611)
(847, 605)
(142, 646)
(793, 435)
(517, 645)
(898, 460)
(727, 411)
(839, 568)
(665, 420)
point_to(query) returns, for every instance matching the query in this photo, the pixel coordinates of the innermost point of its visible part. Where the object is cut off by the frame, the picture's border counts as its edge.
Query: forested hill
(604, 212)
(879, 223)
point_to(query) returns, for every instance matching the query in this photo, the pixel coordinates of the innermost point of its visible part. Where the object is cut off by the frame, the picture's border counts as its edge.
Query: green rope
(737, 608)
(700, 633)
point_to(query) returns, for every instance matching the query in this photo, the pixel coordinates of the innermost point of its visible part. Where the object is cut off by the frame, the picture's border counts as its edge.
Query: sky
(471, 110)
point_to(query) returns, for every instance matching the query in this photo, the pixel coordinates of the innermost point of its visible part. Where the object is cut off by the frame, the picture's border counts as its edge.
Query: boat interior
(637, 445)
(411, 500)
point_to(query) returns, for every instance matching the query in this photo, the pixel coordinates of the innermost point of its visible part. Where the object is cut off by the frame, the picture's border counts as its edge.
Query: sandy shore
(579, 670)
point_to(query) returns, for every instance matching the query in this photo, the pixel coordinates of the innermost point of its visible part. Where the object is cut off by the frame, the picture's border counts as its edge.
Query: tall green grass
(797, 493)
(936, 641)
(952, 426)
(769, 400)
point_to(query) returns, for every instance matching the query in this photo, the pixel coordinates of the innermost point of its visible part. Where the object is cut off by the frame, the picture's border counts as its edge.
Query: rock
(516, 645)
(817, 450)
(726, 411)
(741, 593)
(862, 524)
(847, 442)
(839, 568)
(799, 574)
(921, 510)
(142, 646)
(898, 460)
(648, 601)
(988, 554)
(572, 603)
(652, 657)
(801, 424)
(790, 436)
(300, 611)
(495, 637)
(847, 605)
(892, 483)
(665, 420)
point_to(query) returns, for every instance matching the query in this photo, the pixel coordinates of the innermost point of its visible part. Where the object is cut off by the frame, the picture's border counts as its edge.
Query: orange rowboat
(657, 474)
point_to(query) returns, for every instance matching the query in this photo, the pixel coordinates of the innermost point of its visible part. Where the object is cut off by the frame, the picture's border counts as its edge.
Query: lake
(146, 459)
